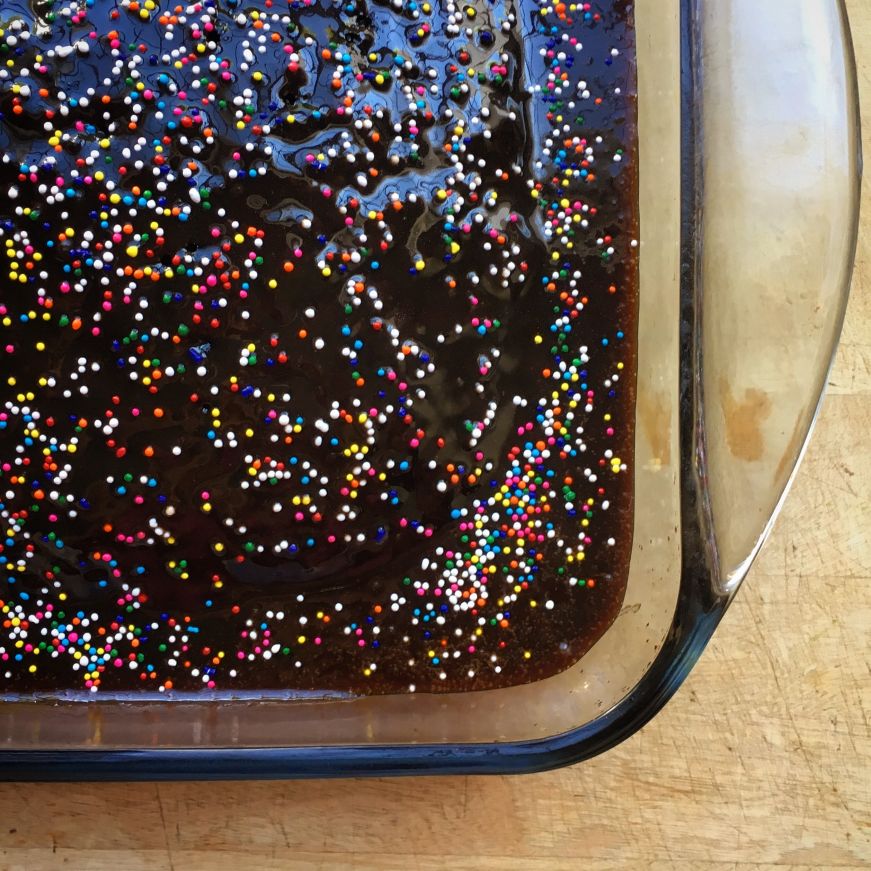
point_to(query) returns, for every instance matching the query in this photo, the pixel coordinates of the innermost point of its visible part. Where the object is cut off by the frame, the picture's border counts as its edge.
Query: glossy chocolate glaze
(427, 300)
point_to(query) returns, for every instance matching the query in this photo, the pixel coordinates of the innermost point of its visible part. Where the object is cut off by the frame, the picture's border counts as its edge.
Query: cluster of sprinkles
(316, 329)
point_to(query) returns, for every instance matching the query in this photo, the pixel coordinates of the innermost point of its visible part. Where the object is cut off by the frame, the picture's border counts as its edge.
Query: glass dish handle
(777, 184)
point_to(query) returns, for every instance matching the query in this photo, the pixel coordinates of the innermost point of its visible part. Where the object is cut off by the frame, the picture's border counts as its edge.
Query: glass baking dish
(749, 183)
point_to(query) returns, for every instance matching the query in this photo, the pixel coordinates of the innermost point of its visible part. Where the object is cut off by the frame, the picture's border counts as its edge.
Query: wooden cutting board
(762, 761)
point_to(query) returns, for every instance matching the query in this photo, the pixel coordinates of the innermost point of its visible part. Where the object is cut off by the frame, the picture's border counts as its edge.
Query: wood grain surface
(762, 760)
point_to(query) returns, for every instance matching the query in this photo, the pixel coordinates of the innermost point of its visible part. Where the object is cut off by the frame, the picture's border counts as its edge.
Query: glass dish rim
(701, 602)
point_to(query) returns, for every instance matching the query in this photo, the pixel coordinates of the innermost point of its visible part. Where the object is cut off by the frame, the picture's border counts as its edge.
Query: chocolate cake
(317, 342)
